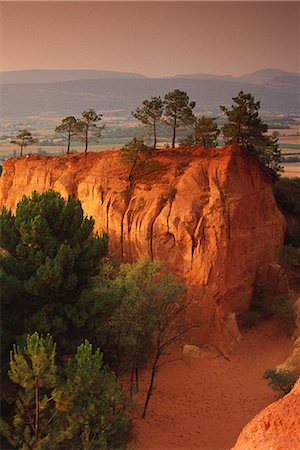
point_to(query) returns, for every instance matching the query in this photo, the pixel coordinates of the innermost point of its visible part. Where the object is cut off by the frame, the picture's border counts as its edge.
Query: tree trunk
(131, 382)
(174, 132)
(36, 427)
(86, 140)
(155, 137)
(137, 377)
(150, 389)
(21, 151)
(69, 143)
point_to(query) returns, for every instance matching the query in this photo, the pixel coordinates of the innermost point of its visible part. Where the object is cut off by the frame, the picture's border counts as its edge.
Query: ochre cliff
(277, 427)
(209, 214)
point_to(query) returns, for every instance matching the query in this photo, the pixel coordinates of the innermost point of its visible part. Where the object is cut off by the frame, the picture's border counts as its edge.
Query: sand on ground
(204, 402)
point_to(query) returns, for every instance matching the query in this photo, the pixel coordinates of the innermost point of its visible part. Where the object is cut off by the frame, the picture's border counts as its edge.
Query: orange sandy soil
(204, 402)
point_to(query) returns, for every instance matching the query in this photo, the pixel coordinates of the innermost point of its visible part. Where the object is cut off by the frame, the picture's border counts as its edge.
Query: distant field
(291, 170)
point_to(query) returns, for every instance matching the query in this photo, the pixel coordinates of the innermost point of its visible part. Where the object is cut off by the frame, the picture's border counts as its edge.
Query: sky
(152, 38)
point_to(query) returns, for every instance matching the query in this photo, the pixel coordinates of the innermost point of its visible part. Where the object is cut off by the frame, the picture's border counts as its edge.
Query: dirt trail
(204, 402)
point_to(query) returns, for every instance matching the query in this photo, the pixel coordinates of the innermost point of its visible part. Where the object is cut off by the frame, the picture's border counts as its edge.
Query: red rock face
(209, 214)
(277, 427)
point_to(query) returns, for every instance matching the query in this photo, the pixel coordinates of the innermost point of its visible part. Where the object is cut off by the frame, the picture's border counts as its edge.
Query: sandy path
(203, 403)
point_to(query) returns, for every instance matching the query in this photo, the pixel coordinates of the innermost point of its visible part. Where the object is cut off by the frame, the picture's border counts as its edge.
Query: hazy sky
(153, 38)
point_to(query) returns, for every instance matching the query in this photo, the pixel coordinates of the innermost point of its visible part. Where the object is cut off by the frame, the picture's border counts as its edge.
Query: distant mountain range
(63, 92)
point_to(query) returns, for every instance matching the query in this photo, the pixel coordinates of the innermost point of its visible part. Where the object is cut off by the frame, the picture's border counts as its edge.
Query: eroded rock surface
(277, 427)
(209, 214)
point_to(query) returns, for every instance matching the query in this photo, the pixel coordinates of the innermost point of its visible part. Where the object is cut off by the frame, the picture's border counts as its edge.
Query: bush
(281, 307)
(280, 381)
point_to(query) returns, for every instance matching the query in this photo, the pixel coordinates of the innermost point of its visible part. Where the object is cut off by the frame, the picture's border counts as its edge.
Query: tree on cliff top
(178, 111)
(135, 152)
(246, 129)
(88, 125)
(23, 139)
(205, 133)
(68, 128)
(51, 254)
(150, 114)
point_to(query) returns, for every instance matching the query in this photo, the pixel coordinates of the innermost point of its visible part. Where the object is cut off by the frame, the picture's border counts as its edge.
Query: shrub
(280, 381)
(281, 307)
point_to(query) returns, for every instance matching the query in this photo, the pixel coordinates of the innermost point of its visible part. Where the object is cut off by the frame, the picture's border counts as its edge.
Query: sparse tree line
(108, 320)
(244, 127)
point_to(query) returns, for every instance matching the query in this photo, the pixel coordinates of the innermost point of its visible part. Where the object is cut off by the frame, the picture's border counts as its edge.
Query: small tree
(178, 111)
(78, 406)
(23, 139)
(91, 404)
(206, 132)
(88, 125)
(135, 152)
(150, 114)
(33, 369)
(246, 129)
(68, 128)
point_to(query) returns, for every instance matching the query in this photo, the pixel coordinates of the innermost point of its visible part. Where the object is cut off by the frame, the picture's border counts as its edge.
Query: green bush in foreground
(280, 381)
(75, 405)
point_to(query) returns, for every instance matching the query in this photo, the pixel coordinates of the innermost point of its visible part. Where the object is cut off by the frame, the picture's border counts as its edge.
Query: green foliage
(88, 125)
(280, 381)
(178, 111)
(33, 369)
(150, 114)
(246, 129)
(206, 132)
(281, 307)
(68, 128)
(79, 405)
(135, 153)
(51, 255)
(142, 291)
(23, 139)
(91, 403)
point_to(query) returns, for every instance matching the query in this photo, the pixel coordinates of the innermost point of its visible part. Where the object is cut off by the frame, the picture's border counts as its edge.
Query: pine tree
(135, 153)
(51, 255)
(88, 126)
(150, 114)
(178, 111)
(33, 369)
(23, 139)
(79, 405)
(246, 129)
(206, 132)
(68, 129)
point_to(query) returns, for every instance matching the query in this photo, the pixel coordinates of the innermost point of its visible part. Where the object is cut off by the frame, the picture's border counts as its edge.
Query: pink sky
(153, 38)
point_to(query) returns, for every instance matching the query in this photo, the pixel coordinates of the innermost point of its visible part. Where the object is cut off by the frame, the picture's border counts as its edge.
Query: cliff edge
(210, 214)
(277, 427)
